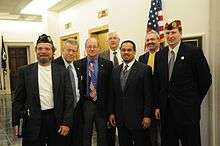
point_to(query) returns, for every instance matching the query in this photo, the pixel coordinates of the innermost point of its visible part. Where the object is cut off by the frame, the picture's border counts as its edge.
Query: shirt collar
(117, 50)
(129, 64)
(95, 60)
(66, 63)
(176, 49)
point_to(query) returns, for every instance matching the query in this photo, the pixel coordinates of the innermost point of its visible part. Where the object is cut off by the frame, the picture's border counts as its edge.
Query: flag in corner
(155, 20)
(3, 56)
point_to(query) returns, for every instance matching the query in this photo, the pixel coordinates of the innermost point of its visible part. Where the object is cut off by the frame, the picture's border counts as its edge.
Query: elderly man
(69, 54)
(182, 80)
(43, 99)
(95, 73)
(152, 42)
(113, 53)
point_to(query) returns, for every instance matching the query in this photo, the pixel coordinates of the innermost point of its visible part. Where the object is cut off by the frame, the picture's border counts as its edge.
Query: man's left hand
(64, 130)
(146, 122)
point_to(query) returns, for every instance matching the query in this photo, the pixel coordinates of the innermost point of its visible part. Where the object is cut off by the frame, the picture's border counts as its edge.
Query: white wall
(51, 28)
(130, 17)
(18, 31)
(83, 17)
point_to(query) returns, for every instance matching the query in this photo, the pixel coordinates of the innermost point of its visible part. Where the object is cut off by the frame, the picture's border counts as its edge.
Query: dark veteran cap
(173, 25)
(44, 39)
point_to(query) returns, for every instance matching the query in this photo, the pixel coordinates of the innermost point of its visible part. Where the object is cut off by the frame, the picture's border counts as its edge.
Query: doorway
(101, 34)
(17, 57)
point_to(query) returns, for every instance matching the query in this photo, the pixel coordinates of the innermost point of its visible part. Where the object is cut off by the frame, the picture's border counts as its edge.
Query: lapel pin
(182, 57)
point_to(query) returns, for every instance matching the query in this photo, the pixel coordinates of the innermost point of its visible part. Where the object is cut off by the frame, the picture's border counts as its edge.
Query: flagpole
(0, 81)
(4, 85)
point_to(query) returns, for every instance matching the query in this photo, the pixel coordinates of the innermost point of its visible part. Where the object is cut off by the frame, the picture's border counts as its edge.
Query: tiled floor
(6, 130)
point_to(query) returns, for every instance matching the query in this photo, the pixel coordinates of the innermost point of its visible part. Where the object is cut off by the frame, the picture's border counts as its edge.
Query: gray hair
(72, 42)
(154, 32)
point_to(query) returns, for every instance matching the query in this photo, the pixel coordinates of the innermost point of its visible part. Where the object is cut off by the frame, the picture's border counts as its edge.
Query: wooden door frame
(98, 29)
(30, 59)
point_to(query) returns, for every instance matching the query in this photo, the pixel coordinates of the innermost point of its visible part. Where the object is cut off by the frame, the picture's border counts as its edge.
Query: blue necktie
(92, 79)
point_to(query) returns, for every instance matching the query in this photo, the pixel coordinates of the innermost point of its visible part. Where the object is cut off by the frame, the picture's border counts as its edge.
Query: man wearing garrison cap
(182, 79)
(43, 100)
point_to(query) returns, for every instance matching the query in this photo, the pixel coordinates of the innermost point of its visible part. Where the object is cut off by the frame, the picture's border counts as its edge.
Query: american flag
(155, 21)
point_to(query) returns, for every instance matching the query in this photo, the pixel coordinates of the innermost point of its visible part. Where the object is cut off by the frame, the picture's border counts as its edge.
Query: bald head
(113, 40)
(92, 47)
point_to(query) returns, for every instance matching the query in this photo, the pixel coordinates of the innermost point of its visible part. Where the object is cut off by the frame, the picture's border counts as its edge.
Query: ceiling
(10, 9)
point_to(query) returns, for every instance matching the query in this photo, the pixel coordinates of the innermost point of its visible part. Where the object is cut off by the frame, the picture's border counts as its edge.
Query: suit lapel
(118, 75)
(180, 53)
(55, 80)
(108, 55)
(164, 61)
(100, 71)
(146, 58)
(131, 75)
(33, 77)
(84, 75)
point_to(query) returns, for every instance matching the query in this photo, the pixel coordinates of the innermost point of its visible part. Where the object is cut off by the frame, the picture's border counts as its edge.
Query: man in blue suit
(95, 73)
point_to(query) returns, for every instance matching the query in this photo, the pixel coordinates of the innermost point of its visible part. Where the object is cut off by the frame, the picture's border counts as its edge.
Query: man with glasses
(95, 73)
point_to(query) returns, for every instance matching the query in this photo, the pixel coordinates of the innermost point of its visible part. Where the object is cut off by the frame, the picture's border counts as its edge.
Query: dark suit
(180, 98)
(111, 131)
(154, 128)
(77, 128)
(144, 58)
(26, 101)
(105, 54)
(131, 105)
(95, 111)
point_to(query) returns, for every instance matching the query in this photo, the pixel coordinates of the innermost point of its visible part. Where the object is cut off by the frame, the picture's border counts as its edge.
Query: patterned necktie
(73, 83)
(124, 76)
(92, 81)
(171, 63)
(115, 59)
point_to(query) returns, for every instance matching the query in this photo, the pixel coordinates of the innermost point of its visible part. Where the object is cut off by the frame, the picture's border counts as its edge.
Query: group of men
(59, 101)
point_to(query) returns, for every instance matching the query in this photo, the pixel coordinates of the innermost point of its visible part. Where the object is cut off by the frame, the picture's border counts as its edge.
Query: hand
(146, 122)
(64, 130)
(16, 130)
(157, 113)
(112, 120)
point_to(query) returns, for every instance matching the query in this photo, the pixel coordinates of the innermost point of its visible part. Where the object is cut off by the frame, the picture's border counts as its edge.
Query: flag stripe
(155, 21)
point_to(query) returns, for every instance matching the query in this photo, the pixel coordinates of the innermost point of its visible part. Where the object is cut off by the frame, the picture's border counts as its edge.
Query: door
(17, 57)
(101, 34)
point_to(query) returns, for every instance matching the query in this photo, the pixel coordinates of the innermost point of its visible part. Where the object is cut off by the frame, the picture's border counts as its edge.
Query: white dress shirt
(118, 56)
(75, 76)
